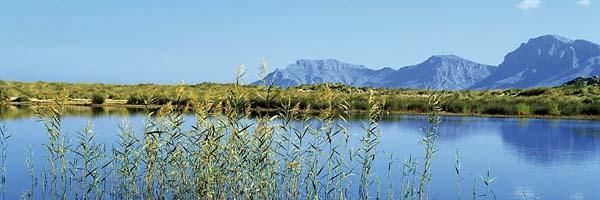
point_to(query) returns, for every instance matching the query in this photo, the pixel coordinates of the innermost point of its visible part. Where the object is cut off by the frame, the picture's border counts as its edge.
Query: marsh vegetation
(229, 153)
(256, 142)
(564, 101)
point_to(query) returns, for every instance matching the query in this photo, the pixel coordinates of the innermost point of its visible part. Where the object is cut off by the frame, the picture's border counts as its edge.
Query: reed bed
(229, 152)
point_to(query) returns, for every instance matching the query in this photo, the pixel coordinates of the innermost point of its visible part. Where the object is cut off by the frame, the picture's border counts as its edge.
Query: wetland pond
(533, 158)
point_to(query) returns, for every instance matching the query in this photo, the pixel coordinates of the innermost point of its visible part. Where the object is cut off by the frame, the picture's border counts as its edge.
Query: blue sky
(196, 41)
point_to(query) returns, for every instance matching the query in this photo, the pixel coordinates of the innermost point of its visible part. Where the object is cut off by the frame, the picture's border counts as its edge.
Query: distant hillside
(544, 61)
(325, 71)
(584, 81)
(438, 72)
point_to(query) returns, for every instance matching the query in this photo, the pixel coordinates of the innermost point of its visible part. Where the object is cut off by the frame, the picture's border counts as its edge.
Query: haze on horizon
(167, 42)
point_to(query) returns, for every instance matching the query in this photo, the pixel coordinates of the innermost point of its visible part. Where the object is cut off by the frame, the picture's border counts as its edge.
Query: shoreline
(393, 112)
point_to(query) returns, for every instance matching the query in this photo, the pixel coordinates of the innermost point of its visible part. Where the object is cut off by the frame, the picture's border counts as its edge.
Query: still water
(537, 158)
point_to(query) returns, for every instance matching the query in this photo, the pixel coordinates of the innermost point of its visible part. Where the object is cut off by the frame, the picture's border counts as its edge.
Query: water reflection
(24, 112)
(544, 142)
(551, 142)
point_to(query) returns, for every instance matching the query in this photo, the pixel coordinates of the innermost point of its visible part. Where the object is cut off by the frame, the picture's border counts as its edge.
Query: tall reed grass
(229, 152)
(4, 136)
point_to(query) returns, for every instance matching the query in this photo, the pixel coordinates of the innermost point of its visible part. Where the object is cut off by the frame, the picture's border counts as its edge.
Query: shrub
(454, 107)
(3, 95)
(541, 110)
(98, 99)
(22, 99)
(496, 109)
(164, 99)
(554, 109)
(417, 107)
(571, 108)
(136, 100)
(533, 92)
(475, 108)
(593, 109)
(522, 109)
(114, 96)
(458, 108)
(183, 101)
(547, 109)
(160, 100)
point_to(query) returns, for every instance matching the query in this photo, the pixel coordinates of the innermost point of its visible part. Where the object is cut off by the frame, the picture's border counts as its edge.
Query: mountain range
(544, 61)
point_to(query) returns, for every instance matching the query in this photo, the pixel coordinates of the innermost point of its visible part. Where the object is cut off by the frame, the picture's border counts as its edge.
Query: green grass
(560, 101)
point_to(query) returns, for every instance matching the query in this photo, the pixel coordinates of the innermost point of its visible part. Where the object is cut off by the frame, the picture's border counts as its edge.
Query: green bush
(571, 108)
(593, 109)
(546, 109)
(22, 99)
(533, 92)
(496, 109)
(474, 108)
(363, 104)
(523, 109)
(417, 107)
(160, 100)
(454, 107)
(136, 100)
(114, 96)
(541, 110)
(554, 109)
(98, 99)
(3, 95)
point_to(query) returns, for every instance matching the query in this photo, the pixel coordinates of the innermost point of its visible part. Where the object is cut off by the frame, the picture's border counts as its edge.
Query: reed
(487, 180)
(127, 157)
(390, 185)
(474, 190)
(457, 168)
(409, 178)
(29, 163)
(230, 151)
(4, 136)
(368, 149)
(429, 142)
(87, 165)
(51, 117)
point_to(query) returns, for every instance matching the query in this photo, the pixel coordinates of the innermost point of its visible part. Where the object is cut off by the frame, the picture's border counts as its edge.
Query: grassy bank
(569, 101)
